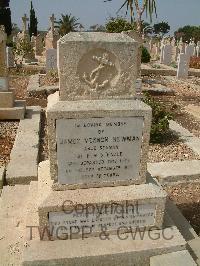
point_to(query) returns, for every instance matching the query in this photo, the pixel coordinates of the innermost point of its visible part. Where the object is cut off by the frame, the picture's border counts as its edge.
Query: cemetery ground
(183, 94)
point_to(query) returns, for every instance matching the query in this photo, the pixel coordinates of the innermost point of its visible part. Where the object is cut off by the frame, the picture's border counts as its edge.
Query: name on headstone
(98, 149)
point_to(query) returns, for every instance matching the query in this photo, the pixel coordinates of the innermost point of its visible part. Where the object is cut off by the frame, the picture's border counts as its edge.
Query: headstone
(51, 59)
(39, 48)
(10, 57)
(198, 50)
(161, 54)
(97, 72)
(183, 66)
(189, 50)
(98, 141)
(175, 51)
(167, 54)
(3, 66)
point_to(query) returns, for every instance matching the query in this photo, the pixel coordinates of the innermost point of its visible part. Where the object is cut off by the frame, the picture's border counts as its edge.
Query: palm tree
(137, 8)
(67, 23)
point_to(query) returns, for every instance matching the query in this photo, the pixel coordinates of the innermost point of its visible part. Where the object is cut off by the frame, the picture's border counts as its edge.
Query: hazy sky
(176, 12)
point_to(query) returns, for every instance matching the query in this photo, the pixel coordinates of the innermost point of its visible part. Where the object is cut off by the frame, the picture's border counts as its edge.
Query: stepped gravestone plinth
(96, 180)
(9, 108)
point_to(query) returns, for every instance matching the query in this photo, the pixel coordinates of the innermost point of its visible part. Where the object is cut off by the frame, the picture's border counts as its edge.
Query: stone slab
(52, 99)
(194, 248)
(17, 112)
(147, 201)
(108, 109)
(96, 141)
(177, 258)
(97, 65)
(94, 251)
(4, 84)
(13, 203)
(176, 171)
(193, 110)
(23, 165)
(189, 139)
(6, 99)
(34, 89)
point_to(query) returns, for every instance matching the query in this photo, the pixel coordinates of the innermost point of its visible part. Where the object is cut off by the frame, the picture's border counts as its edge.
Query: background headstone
(183, 66)
(51, 59)
(10, 57)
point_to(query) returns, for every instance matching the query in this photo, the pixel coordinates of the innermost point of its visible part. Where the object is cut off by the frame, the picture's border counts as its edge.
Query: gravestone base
(6, 99)
(16, 112)
(124, 208)
(119, 249)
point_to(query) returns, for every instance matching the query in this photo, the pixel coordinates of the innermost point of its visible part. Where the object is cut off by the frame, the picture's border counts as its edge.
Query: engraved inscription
(101, 218)
(99, 69)
(98, 149)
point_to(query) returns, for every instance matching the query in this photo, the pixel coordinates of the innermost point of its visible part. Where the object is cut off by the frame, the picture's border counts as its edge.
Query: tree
(137, 9)
(161, 28)
(33, 22)
(5, 16)
(67, 23)
(188, 32)
(118, 25)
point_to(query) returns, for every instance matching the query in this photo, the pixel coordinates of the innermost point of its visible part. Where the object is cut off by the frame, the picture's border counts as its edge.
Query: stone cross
(25, 19)
(52, 21)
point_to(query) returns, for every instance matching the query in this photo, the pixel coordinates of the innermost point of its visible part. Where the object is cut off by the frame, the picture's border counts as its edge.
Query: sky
(90, 12)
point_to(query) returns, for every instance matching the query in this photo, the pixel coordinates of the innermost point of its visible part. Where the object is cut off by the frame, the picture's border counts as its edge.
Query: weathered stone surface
(23, 165)
(177, 171)
(97, 65)
(109, 109)
(6, 99)
(148, 200)
(112, 156)
(14, 113)
(51, 59)
(193, 110)
(177, 258)
(34, 89)
(183, 66)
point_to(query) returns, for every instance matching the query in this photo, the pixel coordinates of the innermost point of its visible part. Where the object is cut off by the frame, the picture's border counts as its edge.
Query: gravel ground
(19, 85)
(8, 131)
(170, 152)
(48, 80)
(187, 198)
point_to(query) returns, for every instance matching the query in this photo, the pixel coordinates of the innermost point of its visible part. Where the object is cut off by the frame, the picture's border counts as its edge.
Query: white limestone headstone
(51, 59)
(183, 66)
(10, 57)
(167, 54)
(198, 49)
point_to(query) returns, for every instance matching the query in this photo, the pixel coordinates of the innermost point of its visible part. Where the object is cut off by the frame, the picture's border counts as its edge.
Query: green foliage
(5, 19)
(133, 5)
(160, 120)
(33, 22)
(188, 32)
(161, 28)
(23, 48)
(146, 57)
(67, 24)
(118, 25)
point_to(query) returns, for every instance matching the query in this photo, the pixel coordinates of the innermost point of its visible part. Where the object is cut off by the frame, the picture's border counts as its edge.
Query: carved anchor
(92, 80)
